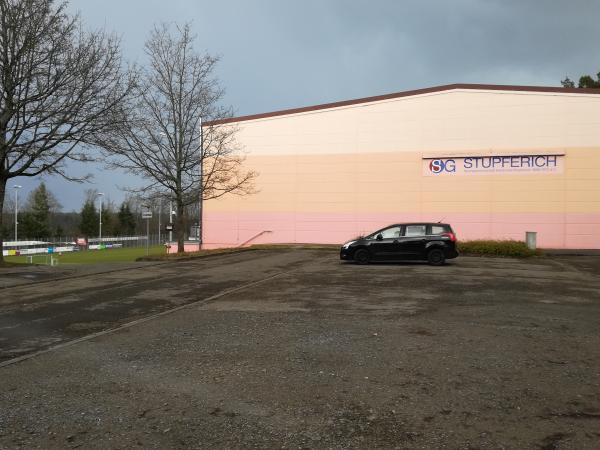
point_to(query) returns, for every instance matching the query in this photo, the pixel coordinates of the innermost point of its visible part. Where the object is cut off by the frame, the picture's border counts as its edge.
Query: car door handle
(396, 241)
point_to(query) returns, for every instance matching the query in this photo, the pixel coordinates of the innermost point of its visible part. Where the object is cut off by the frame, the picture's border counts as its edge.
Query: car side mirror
(379, 237)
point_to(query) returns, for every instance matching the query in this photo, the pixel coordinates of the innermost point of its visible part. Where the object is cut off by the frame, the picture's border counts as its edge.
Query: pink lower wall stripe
(555, 230)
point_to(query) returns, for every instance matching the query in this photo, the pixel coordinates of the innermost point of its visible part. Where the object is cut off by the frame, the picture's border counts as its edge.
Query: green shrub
(496, 248)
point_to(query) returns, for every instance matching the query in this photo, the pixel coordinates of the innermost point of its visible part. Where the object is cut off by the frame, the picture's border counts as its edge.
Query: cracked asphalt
(293, 349)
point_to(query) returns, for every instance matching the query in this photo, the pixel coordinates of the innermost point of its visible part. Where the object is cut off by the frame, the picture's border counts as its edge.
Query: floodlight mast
(17, 187)
(201, 188)
(100, 194)
(170, 221)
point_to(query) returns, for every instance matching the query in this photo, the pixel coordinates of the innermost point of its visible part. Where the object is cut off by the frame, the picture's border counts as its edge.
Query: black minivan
(431, 242)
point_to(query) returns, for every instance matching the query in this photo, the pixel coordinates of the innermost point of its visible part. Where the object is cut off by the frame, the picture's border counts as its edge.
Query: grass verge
(192, 255)
(5, 264)
(224, 251)
(113, 255)
(507, 248)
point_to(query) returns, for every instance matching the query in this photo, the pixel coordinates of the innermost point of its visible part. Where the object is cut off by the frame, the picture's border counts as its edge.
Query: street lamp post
(159, 214)
(17, 187)
(100, 194)
(162, 133)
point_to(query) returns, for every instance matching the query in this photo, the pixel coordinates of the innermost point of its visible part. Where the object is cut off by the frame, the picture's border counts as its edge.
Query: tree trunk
(180, 226)
(2, 193)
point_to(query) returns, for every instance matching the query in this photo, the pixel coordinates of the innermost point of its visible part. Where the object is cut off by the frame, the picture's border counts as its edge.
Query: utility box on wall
(531, 239)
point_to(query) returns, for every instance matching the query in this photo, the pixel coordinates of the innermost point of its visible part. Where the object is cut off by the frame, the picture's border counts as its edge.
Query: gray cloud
(279, 54)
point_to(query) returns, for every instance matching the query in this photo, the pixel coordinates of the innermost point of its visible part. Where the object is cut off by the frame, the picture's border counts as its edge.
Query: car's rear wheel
(436, 257)
(361, 256)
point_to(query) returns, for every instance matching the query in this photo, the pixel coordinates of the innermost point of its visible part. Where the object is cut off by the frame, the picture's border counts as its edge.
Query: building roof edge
(414, 92)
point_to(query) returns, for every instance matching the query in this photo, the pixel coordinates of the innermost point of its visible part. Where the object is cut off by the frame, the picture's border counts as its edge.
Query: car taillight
(451, 235)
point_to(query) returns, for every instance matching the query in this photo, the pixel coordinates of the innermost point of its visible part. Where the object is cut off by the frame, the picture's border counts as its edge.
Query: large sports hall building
(493, 161)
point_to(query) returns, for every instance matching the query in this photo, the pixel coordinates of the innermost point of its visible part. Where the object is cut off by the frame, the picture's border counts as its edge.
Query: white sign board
(146, 214)
(494, 165)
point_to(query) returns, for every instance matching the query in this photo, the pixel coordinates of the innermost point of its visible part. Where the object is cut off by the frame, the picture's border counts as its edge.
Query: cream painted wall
(444, 121)
(393, 182)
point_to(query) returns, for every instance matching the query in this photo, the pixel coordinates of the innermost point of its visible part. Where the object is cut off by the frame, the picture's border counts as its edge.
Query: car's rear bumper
(451, 253)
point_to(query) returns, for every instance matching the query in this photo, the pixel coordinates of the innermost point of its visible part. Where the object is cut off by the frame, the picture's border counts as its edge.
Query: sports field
(92, 256)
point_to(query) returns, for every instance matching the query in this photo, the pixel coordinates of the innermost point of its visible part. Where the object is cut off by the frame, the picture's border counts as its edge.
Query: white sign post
(147, 214)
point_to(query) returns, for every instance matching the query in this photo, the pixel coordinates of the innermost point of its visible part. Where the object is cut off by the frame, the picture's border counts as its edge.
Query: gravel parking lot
(293, 349)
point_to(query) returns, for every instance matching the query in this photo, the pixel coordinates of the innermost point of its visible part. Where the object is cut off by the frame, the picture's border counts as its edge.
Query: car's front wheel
(361, 256)
(436, 257)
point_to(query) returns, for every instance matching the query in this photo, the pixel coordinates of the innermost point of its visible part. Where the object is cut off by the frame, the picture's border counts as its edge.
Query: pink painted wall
(554, 230)
(328, 176)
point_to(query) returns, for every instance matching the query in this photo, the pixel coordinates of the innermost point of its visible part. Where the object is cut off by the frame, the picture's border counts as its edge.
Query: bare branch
(60, 86)
(161, 137)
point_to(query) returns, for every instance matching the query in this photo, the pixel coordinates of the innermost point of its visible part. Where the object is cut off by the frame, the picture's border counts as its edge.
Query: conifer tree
(126, 220)
(36, 219)
(89, 225)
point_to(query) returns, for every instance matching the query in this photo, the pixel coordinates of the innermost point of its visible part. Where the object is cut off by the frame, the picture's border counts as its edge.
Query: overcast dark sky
(279, 54)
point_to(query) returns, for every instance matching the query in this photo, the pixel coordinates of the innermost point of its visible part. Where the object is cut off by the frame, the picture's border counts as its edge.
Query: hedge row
(496, 248)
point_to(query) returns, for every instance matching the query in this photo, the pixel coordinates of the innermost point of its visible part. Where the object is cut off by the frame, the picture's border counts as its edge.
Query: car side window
(391, 233)
(437, 230)
(414, 230)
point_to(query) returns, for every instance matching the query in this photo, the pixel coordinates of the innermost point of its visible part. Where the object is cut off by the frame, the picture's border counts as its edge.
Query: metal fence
(130, 241)
(70, 244)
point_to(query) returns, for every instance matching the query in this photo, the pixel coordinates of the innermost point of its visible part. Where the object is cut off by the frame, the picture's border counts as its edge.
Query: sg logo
(442, 165)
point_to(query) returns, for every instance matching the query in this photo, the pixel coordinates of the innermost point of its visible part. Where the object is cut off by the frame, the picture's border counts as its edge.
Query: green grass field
(93, 256)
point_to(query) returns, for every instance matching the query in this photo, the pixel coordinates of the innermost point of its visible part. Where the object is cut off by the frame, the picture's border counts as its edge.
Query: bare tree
(168, 136)
(58, 88)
